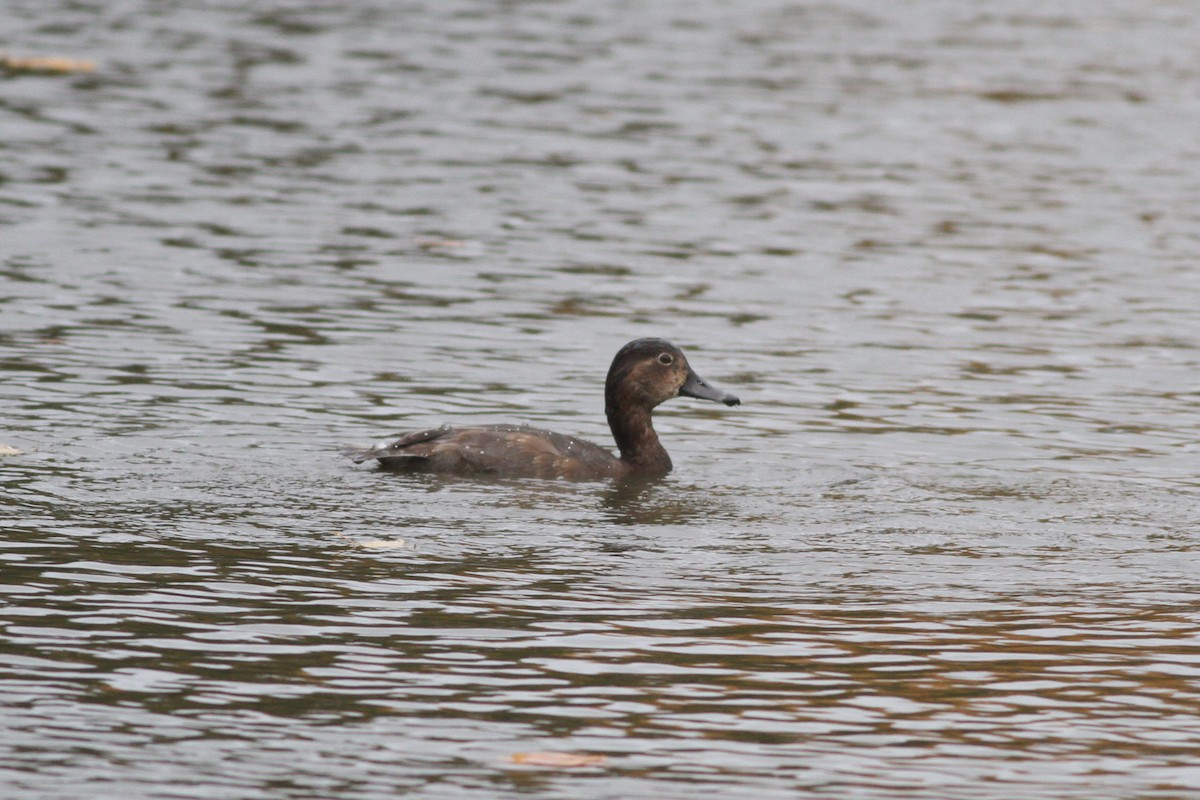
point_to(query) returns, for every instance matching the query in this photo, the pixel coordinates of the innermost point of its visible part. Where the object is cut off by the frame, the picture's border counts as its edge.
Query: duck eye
(666, 358)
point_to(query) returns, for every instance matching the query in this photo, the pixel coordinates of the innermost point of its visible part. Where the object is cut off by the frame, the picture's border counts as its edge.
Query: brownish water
(945, 252)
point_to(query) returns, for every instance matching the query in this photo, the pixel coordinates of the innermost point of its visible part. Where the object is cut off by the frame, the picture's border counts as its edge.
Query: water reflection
(639, 501)
(487, 650)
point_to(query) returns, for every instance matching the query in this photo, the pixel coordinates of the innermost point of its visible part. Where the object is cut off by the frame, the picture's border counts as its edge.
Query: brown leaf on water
(51, 65)
(430, 243)
(552, 759)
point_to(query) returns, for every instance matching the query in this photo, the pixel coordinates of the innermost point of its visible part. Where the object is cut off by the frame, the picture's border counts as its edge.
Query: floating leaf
(373, 544)
(44, 64)
(552, 759)
(382, 544)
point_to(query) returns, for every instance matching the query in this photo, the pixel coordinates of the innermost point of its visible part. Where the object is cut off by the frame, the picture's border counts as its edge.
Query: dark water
(945, 252)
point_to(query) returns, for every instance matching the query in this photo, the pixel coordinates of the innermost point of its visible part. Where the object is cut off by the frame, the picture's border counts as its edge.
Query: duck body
(512, 451)
(644, 373)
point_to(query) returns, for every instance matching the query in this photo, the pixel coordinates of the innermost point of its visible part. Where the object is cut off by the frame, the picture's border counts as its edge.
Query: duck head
(647, 372)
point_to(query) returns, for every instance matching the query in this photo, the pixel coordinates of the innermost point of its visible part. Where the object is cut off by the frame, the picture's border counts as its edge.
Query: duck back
(515, 451)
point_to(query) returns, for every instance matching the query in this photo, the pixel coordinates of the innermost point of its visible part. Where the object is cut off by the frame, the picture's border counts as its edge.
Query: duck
(644, 373)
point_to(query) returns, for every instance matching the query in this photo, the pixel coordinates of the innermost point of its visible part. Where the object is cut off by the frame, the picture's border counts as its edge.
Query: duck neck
(636, 439)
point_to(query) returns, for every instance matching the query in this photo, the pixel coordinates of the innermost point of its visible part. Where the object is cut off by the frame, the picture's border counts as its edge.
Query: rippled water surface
(945, 252)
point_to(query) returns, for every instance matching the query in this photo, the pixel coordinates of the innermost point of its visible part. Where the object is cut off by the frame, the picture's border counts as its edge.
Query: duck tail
(357, 452)
(393, 449)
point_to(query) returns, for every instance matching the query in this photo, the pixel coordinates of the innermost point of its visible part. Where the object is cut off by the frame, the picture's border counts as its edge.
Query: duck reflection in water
(644, 373)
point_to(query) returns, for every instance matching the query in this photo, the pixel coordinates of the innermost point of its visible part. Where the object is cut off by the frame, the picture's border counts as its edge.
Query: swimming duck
(643, 374)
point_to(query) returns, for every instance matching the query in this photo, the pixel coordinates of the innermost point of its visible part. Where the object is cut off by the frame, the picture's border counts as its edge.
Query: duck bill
(695, 386)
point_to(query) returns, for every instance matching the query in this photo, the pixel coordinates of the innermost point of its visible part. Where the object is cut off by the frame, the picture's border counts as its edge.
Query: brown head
(643, 374)
(647, 372)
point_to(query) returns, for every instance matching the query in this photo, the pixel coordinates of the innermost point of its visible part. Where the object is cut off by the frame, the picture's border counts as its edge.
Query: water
(944, 253)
